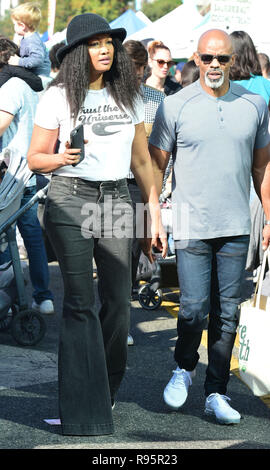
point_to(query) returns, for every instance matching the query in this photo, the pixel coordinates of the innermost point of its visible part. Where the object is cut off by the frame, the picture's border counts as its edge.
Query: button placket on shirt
(220, 116)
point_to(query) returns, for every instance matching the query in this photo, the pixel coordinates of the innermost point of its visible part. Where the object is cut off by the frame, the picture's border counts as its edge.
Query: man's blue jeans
(31, 233)
(210, 276)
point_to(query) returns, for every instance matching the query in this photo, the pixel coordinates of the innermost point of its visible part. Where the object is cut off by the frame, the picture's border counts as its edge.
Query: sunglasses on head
(221, 58)
(162, 62)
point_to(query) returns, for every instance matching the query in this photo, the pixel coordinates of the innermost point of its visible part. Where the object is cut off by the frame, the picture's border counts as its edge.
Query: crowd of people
(196, 131)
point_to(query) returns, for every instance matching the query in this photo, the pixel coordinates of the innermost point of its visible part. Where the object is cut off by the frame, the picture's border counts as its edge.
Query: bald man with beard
(218, 134)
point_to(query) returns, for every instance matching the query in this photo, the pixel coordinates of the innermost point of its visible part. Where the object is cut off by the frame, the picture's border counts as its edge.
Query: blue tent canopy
(45, 36)
(129, 21)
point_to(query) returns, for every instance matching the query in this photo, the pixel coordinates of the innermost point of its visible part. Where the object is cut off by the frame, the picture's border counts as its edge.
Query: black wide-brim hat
(83, 27)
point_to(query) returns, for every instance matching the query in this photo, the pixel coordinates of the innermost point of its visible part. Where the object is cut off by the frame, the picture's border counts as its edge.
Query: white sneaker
(176, 391)
(130, 340)
(22, 252)
(216, 404)
(46, 307)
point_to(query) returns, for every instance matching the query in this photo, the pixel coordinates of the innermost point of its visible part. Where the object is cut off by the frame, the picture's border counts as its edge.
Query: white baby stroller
(27, 325)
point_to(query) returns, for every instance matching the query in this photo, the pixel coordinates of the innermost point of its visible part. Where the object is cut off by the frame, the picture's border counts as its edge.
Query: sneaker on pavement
(218, 406)
(176, 391)
(130, 340)
(45, 307)
(22, 252)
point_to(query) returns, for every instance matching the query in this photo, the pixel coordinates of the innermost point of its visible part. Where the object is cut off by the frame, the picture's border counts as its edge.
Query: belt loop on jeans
(115, 184)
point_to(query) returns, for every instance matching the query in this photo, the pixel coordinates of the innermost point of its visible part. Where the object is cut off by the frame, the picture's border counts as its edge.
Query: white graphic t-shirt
(108, 129)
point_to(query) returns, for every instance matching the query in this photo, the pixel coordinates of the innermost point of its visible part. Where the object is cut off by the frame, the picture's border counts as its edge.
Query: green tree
(159, 8)
(109, 9)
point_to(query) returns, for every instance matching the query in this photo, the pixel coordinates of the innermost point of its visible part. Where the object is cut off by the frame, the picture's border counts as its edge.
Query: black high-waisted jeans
(85, 219)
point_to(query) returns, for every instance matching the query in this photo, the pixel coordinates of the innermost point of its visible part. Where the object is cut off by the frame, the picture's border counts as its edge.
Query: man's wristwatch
(267, 222)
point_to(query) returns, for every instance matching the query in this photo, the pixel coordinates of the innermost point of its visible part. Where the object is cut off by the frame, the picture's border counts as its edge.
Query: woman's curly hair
(120, 80)
(7, 49)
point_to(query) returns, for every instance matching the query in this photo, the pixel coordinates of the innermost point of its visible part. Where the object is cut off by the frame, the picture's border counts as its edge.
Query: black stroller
(163, 272)
(159, 275)
(27, 325)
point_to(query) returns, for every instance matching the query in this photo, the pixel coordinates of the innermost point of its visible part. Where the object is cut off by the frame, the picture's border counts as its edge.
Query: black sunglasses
(162, 62)
(221, 58)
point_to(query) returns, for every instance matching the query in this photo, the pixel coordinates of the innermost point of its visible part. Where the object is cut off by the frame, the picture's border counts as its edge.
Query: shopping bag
(254, 338)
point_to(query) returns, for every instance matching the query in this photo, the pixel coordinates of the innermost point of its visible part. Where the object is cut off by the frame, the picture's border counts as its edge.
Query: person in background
(9, 48)
(17, 109)
(246, 70)
(151, 99)
(96, 87)
(53, 58)
(33, 53)
(249, 73)
(212, 169)
(190, 73)
(178, 72)
(160, 61)
(265, 64)
(139, 58)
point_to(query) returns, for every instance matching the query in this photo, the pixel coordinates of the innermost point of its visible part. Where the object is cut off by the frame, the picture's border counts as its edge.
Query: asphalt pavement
(143, 423)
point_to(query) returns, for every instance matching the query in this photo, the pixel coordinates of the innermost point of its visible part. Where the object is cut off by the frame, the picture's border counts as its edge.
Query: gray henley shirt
(212, 142)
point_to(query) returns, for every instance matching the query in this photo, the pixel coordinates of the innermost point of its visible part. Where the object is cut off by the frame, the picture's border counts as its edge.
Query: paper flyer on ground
(53, 421)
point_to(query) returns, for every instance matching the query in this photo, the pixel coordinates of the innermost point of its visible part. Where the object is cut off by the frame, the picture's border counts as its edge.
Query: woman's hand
(41, 154)
(266, 237)
(160, 242)
(154, 235)
(71, 156)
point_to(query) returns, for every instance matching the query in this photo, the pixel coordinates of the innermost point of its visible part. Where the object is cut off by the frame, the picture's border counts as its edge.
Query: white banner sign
(226, 14)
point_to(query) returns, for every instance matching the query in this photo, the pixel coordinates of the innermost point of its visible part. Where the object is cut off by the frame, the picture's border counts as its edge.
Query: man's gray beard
(214, 83)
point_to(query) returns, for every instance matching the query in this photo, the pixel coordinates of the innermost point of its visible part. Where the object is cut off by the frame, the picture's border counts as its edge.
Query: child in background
(33, 53)
(7, 49)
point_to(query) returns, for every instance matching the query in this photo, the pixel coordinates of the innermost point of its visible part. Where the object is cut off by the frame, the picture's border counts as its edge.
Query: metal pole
(138, 5)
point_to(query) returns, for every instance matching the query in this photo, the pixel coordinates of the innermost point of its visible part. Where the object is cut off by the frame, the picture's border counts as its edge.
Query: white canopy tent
(143, 17)
(59, 36)
(175, 29)
(181, 28)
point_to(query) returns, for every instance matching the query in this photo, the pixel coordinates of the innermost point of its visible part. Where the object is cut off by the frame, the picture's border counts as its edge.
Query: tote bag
(254, 338)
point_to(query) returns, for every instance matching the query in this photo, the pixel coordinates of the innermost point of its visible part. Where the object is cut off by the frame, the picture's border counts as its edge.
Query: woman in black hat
(88, 212)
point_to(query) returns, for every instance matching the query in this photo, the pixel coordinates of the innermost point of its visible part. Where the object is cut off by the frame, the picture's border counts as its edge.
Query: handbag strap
(258, 288)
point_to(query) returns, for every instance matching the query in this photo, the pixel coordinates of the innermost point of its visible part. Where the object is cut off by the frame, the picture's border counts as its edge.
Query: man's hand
(154, 237)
